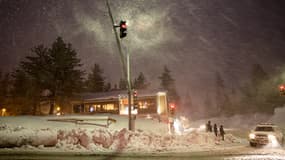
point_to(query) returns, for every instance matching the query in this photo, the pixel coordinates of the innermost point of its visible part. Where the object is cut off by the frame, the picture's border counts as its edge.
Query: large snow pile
(19, 136)
(152, 136)
(125, 140)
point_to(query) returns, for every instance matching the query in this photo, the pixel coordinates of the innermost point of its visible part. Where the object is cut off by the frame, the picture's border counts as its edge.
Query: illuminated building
(149, 102)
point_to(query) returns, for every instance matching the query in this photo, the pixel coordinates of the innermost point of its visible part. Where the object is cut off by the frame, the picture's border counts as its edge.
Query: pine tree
(210, 109)
(25, 93)
(123, 84)
(167, 83)
(95, 80)
(65, 72)
(222, 98)
(140, 82)
(20, 83)
(258, 75)
(4, 84)
(55, 69)
(4, 88)
(115, 87)
(254, 93)
(1, 90)
(107, 87)
(219, 93)
(38, 66)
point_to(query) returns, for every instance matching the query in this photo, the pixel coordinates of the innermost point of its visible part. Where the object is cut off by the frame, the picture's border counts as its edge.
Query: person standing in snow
(222, 132)
(209, 127)
(215, 129)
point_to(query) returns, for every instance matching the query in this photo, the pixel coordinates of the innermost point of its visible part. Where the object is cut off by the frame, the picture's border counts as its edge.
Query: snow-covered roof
(112, 95)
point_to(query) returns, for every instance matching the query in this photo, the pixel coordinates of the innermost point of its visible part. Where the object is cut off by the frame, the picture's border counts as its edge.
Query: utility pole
(126, 68)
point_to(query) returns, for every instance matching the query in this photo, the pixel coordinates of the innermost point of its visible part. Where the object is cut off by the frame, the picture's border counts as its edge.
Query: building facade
(116, 102)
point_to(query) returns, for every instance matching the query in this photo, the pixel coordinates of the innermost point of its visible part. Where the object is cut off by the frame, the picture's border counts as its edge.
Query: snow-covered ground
(61, 134)
(44, 133)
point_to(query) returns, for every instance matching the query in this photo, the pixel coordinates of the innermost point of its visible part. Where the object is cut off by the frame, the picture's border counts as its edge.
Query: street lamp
(3, 112)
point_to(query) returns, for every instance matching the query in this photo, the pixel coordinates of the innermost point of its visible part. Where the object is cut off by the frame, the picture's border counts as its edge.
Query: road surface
(234, 153)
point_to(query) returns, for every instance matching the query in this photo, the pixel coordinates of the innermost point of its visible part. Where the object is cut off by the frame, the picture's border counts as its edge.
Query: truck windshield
(267, 129)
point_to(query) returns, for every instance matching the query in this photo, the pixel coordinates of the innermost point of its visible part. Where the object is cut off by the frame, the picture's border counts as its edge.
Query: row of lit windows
(105, 107)
(146, 104)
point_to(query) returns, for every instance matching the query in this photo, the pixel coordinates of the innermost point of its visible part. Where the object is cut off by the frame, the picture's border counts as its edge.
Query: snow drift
(19, 136)
(109, 140)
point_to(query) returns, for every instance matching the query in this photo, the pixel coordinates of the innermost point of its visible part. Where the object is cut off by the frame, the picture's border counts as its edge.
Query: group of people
(209, 128)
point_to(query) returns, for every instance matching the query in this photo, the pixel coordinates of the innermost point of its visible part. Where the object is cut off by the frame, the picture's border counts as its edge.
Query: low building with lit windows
(149, 102)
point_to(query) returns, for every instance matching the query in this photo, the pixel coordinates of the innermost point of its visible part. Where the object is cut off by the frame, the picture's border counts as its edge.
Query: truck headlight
(273, 140)
(271, 137)
(251, 136)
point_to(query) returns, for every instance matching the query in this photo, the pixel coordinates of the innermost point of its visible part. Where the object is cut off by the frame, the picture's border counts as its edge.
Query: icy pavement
(258, 157)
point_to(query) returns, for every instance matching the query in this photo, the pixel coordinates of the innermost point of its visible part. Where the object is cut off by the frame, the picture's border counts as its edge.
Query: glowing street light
(3, 111)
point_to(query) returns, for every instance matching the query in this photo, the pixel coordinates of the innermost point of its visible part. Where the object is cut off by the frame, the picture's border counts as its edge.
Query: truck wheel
(252, 144)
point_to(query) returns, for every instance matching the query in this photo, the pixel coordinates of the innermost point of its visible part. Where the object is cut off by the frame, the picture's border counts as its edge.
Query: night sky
(194, 38)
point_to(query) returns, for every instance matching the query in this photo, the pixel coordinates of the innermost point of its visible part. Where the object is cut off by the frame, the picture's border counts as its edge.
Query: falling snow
(195, 39)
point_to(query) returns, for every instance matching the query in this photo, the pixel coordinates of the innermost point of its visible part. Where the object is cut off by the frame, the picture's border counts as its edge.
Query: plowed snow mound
(108, 140)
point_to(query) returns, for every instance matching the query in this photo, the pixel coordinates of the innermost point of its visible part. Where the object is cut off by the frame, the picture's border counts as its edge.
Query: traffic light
(135, 96)
(123, 29)
(172, 109)
(282, 89)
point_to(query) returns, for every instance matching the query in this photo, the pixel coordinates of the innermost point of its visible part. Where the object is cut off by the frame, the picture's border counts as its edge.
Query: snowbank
(109, 140)
(19, 136)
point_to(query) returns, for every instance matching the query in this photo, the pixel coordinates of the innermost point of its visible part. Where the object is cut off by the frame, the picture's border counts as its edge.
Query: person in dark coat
(209, 127)
(222, 132)
(215, 129)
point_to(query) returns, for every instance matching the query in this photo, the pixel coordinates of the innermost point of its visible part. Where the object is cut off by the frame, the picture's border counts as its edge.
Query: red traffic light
(172, 106)
(123, 29)
(282, 87)
(135, 93)
(172, 109)
(124, 25)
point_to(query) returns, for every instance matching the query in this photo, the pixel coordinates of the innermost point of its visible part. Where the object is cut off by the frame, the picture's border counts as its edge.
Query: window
(108, 107)
(264, 128)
